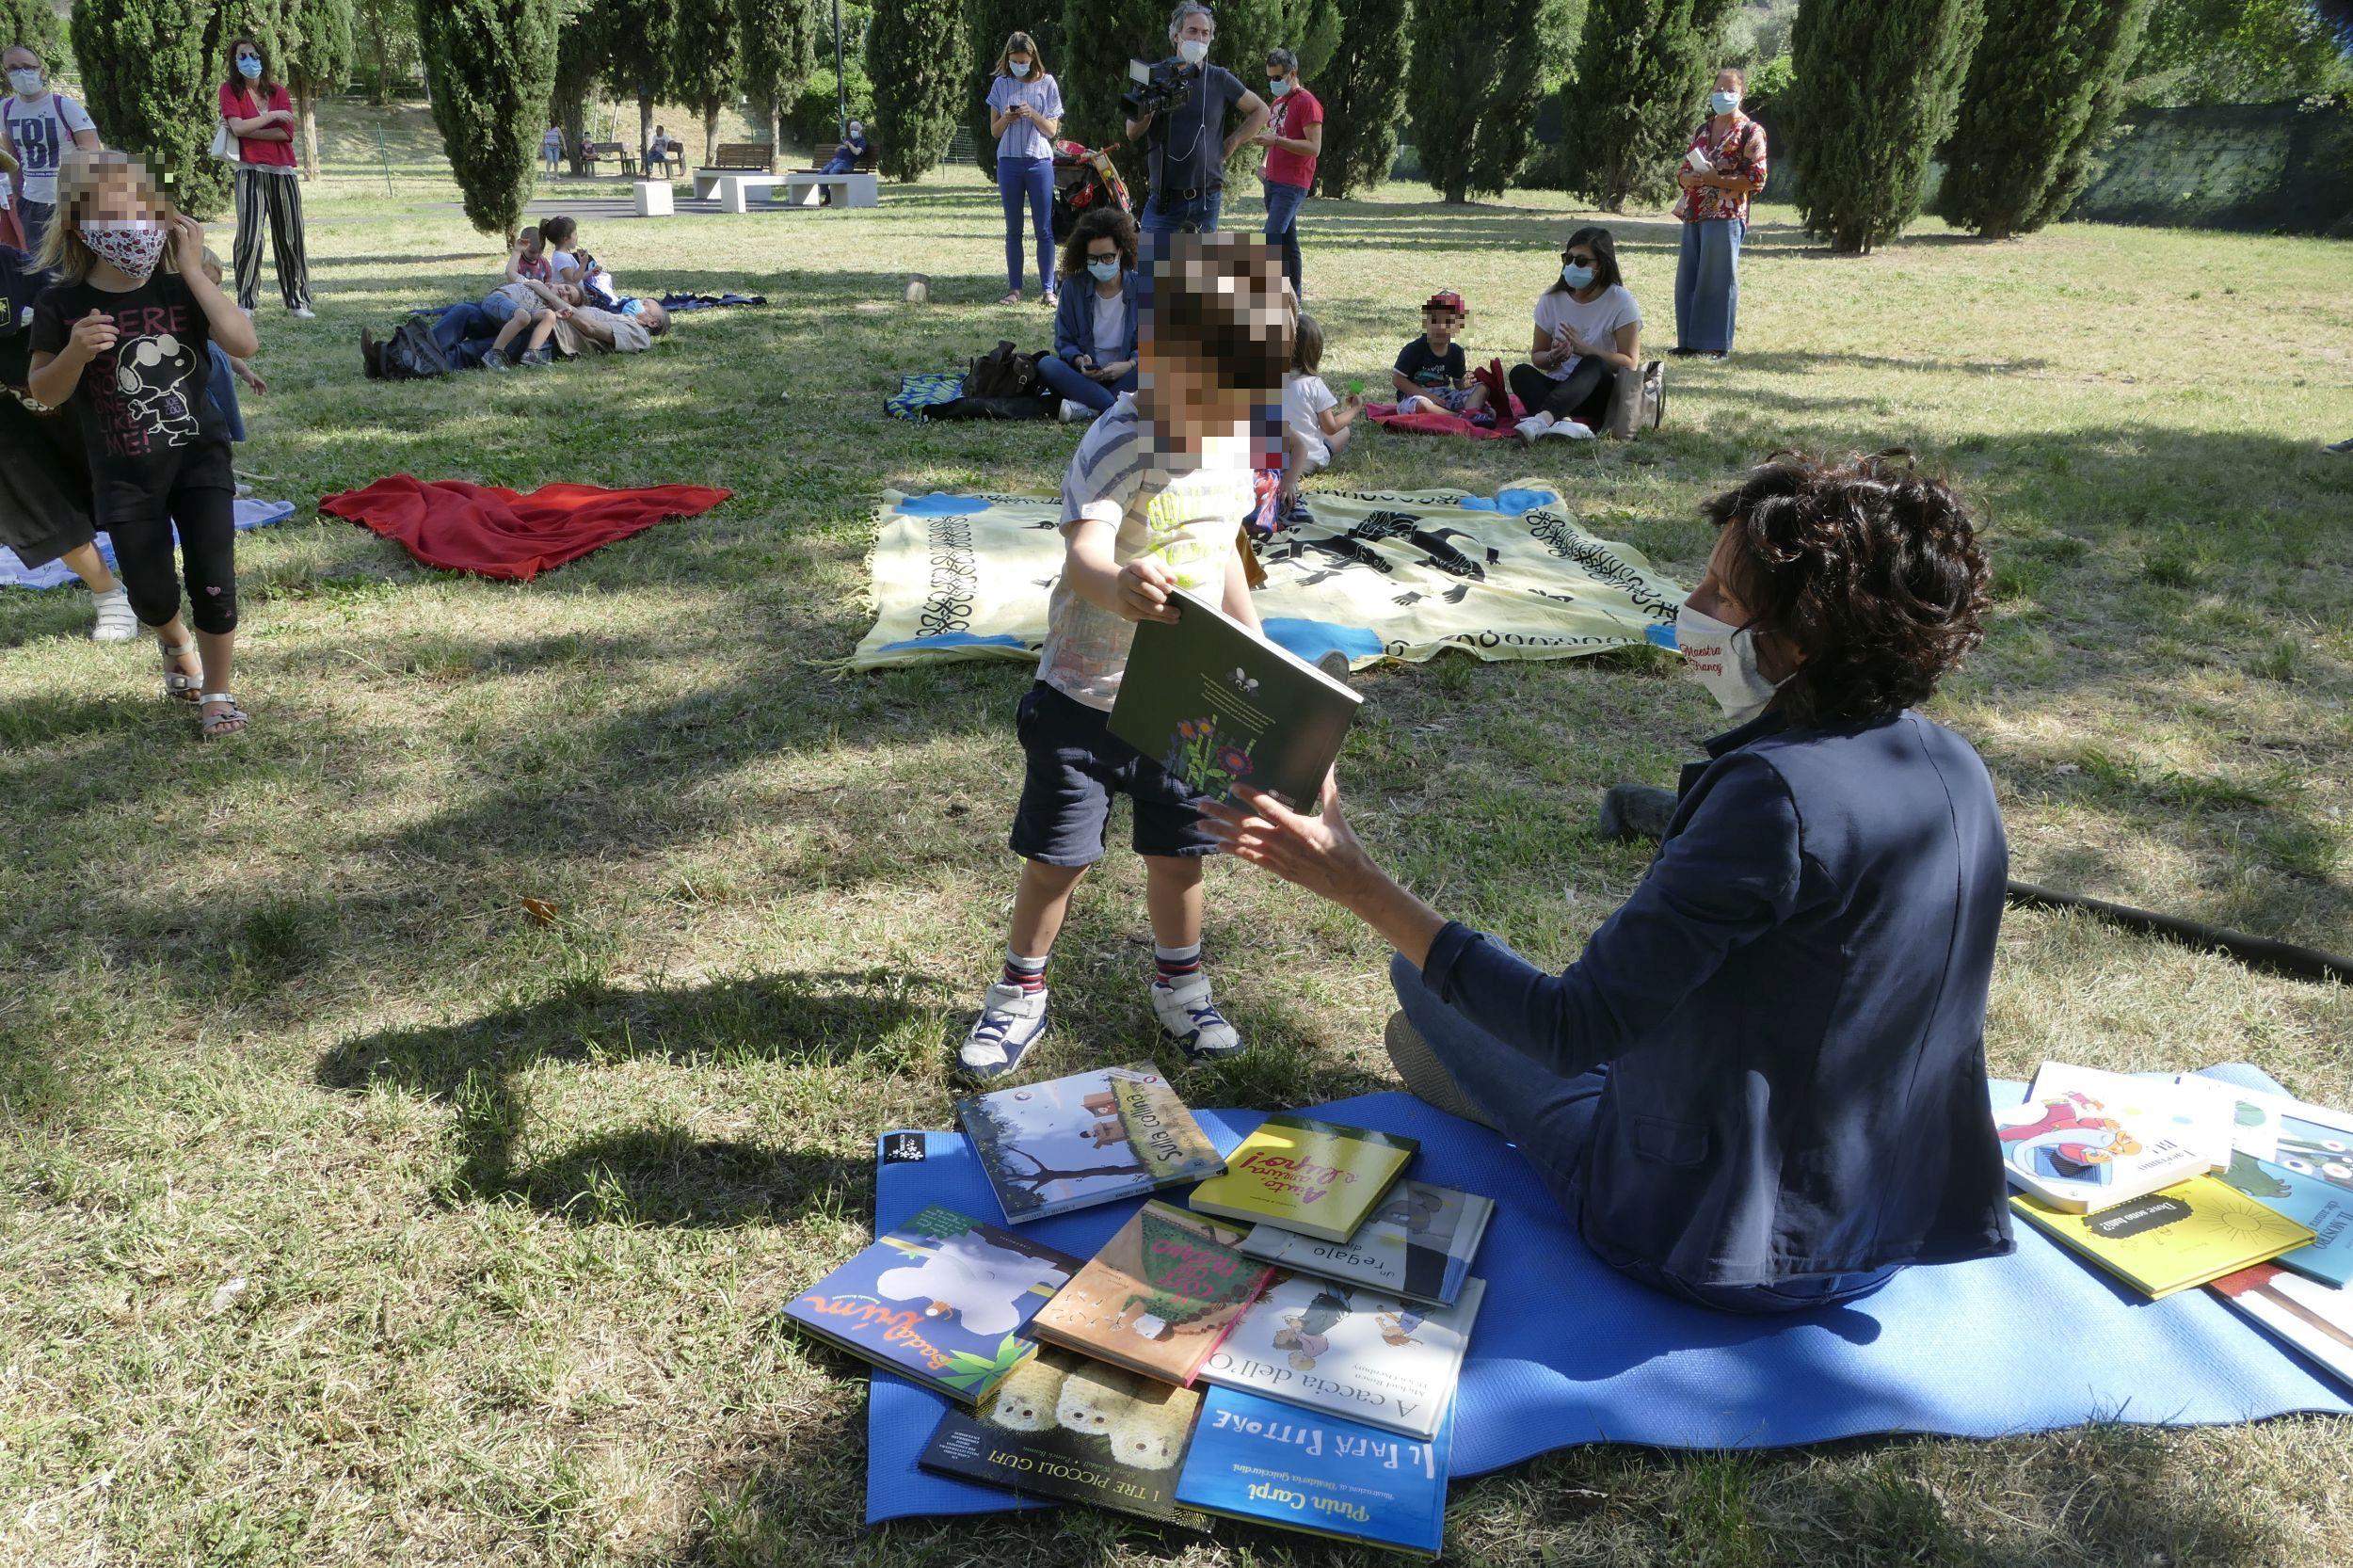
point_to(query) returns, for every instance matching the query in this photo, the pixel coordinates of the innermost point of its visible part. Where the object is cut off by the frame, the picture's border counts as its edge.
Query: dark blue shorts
(1076, 765)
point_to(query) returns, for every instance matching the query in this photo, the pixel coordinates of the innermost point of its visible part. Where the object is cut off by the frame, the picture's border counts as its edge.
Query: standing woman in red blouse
(262, 118)
(1724, 167)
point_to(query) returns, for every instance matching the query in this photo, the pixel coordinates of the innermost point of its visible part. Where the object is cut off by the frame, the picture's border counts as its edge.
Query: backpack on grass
(1004, 371)
(410, 354)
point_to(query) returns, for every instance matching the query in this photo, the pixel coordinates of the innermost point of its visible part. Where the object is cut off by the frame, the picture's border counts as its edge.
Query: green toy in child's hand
(1356, 389)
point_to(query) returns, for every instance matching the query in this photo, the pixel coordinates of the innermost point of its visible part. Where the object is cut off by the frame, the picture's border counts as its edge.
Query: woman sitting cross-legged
(1588, 329)
(1095, 325)
(1762, 1086)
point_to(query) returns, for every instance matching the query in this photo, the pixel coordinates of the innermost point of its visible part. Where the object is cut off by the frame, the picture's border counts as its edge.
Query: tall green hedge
(148, 72)
(1877, 82)
(2041, 91)
(918, 54)
(490, 64)
(1642, 75)
(33, 23)
(1363, 89)
(707, 63)
(1480, 75)
(779, 49)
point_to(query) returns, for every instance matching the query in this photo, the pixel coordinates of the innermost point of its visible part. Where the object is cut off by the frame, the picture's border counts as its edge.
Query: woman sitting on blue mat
(1762, 1085)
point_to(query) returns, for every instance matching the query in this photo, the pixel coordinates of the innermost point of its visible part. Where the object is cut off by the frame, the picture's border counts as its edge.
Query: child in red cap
(1431, 368)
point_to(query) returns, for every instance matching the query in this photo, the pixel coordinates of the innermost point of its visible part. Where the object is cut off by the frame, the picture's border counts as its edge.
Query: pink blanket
(1437, 422)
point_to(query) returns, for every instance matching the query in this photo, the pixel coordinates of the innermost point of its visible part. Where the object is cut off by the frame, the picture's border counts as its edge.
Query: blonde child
(122, 338)
(1316, 424)
(1148, 506)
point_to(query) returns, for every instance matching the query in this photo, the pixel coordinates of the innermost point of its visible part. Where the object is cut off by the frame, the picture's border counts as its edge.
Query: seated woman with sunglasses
(1588, 329)
(1762, 1086)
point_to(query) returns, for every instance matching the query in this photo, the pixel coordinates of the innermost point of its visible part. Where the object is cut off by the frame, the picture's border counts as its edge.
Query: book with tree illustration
(1090, 1138)
(1065, 1427)
(944, 1300)
(2198, 1230)
(1346, 1351)
(2075, 1153)
(1318, 1178)
(2314, 1319)
(1273, 1463)
(1417, 1245)
(1218, 707)
(1159, 1297)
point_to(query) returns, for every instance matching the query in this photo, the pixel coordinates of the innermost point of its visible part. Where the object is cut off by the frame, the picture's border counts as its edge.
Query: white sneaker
(1010, 1023)
(117, 623)
(1076, 414)
(304, 313)
(1567, 427)
(1189, 1017)
(1534, 425)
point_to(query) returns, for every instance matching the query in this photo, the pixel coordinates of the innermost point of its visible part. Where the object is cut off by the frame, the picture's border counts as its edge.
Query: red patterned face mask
(134, 244)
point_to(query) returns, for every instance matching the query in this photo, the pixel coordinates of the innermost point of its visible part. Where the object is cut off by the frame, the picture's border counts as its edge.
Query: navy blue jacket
(1791, 1006)
(1074, 322)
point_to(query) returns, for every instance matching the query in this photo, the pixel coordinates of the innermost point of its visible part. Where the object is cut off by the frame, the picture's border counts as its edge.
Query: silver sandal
(179, 686)
(215, 727)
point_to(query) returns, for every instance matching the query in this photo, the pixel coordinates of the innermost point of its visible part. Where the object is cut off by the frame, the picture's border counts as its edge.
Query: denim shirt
(1791, 1006)
(1074, 321)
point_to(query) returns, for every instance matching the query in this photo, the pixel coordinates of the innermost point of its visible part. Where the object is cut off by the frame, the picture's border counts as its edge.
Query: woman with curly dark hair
(1094, 324)
(1762, 1085)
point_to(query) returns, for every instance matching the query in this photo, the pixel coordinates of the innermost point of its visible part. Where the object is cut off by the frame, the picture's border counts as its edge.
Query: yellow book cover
(1317, 1178)
(2188, 1234)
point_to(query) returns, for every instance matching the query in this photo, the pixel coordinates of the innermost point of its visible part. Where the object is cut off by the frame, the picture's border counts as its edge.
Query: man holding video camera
(1179, 109)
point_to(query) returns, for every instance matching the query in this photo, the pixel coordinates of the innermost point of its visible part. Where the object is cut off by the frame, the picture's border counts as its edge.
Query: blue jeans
(1549, 1119)
(1707, 284)
(1282, 227)
(33, 218)
(1196, 216)
(1069, 381)
(467, 329)
(1032, 178)
(220, 389)
(840, 163)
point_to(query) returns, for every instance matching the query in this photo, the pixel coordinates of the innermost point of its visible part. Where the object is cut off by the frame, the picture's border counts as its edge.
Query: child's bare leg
(1294, 465)
(174, 633)
(542, 332)
(1337, 441)
(1171, 891)
(1040, 905)
(1477, 400)
(511, 328)
(86, 563)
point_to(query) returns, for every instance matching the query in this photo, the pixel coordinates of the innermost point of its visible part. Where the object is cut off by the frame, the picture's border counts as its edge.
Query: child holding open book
(1150, 505)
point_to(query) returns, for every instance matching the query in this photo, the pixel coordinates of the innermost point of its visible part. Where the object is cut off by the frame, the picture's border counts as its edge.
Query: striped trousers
(265, 194)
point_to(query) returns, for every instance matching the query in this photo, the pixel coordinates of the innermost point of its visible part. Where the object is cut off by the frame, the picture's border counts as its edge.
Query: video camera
(1157, 87)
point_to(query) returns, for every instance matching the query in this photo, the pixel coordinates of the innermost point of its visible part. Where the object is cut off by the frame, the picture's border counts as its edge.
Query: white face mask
(1019, 68)
(26, 82)
(1193, 51)
(1723, 660)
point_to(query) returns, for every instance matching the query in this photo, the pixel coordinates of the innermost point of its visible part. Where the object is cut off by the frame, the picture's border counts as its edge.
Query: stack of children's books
(2169, 1183)
(1283, 1348)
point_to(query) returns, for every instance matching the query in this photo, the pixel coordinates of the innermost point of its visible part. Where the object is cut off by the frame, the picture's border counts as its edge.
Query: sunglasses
(1574, 259)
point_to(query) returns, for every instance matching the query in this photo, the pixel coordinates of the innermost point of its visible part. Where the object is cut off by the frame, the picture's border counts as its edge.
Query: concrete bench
(654, 198)
(803, 189)
(735, 188)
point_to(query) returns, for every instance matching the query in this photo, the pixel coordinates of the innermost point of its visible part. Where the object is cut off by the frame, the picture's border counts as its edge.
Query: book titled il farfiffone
(1318, 1179)
(1220, 706)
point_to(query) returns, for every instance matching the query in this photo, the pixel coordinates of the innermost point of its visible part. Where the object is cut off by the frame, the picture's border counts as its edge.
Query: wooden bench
(823, 155)
(735, 157)
(619, 153)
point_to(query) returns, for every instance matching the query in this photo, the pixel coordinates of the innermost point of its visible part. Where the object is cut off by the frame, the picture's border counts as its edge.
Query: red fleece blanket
(479, 528)
(1428, 421)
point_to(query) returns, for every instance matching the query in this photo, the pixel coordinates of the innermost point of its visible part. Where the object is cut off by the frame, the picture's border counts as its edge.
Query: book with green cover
(1315, 1178)
(1161, 1295)
(2185, 1235)
(1219, 707)
(1417, 1245)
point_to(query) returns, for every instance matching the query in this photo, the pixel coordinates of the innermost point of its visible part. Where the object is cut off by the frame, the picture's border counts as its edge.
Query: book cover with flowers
(1220, 706)
(2198, 1230)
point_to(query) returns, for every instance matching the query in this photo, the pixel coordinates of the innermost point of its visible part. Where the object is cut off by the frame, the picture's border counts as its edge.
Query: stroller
(1084, 180)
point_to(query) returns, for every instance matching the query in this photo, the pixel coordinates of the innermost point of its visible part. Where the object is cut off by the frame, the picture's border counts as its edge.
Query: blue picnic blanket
(927, 391)
(1566, 1351)
(16, 574)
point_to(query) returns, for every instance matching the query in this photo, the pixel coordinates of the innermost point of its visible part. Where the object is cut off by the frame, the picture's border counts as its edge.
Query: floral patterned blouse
(1740, 150)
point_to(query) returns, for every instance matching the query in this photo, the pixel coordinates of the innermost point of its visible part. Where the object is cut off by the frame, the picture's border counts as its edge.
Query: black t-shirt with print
(146, 422)
(1424, 369)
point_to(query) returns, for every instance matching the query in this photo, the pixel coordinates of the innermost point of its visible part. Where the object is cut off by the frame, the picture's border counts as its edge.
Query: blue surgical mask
(1019, 68)
(1278, 85)
(1104, 271)
(248, 68)
(1724, 102)
(26, 82)
(1576, 277)
(1193, 51)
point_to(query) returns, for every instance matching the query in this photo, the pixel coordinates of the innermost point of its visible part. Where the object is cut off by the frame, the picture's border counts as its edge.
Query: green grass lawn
(515, 1204)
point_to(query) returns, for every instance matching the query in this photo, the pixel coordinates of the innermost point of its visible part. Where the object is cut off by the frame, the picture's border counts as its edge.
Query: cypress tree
(707, 63)
(1642, 71)
(1363, 89)
(987, 24)
(1876, 85)
(313, 56)
(640, 49)
(583, 46)
(1479, 75)
(147, 74)
(916, 53)
(2040, 93)
(780, 51)
(488, 65)
(33, 23)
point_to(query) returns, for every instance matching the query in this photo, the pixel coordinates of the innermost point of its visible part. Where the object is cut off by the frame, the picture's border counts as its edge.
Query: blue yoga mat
(1568, 1351)
(16, 574)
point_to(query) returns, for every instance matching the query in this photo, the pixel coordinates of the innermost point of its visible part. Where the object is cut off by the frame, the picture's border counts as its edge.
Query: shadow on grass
(653, 1174)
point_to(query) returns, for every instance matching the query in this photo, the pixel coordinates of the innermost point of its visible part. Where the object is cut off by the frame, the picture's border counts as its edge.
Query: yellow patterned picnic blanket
(1395, 574)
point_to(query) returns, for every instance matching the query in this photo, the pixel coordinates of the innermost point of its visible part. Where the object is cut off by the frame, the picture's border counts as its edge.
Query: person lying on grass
(576, 328)
(1150, 504)
(1762, 1086)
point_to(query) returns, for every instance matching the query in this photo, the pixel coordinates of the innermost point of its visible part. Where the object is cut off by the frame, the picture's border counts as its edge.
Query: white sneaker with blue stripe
(1192, 1019)
(1010, 1023)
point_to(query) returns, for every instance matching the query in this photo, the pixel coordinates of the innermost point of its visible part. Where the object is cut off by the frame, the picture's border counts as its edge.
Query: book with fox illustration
(2075, 1153)
(1346, 1351)
(1318, 1179)
(2198, 1230)
(1219, 707)
(1090, 1138)
(1271, 1464)
(944, 1300)
(1071, 1429)
(1417, 1245)
(1159, 1297)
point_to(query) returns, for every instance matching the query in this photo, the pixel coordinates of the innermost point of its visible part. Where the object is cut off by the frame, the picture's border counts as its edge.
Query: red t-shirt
(238, 104)
(1293, 113)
